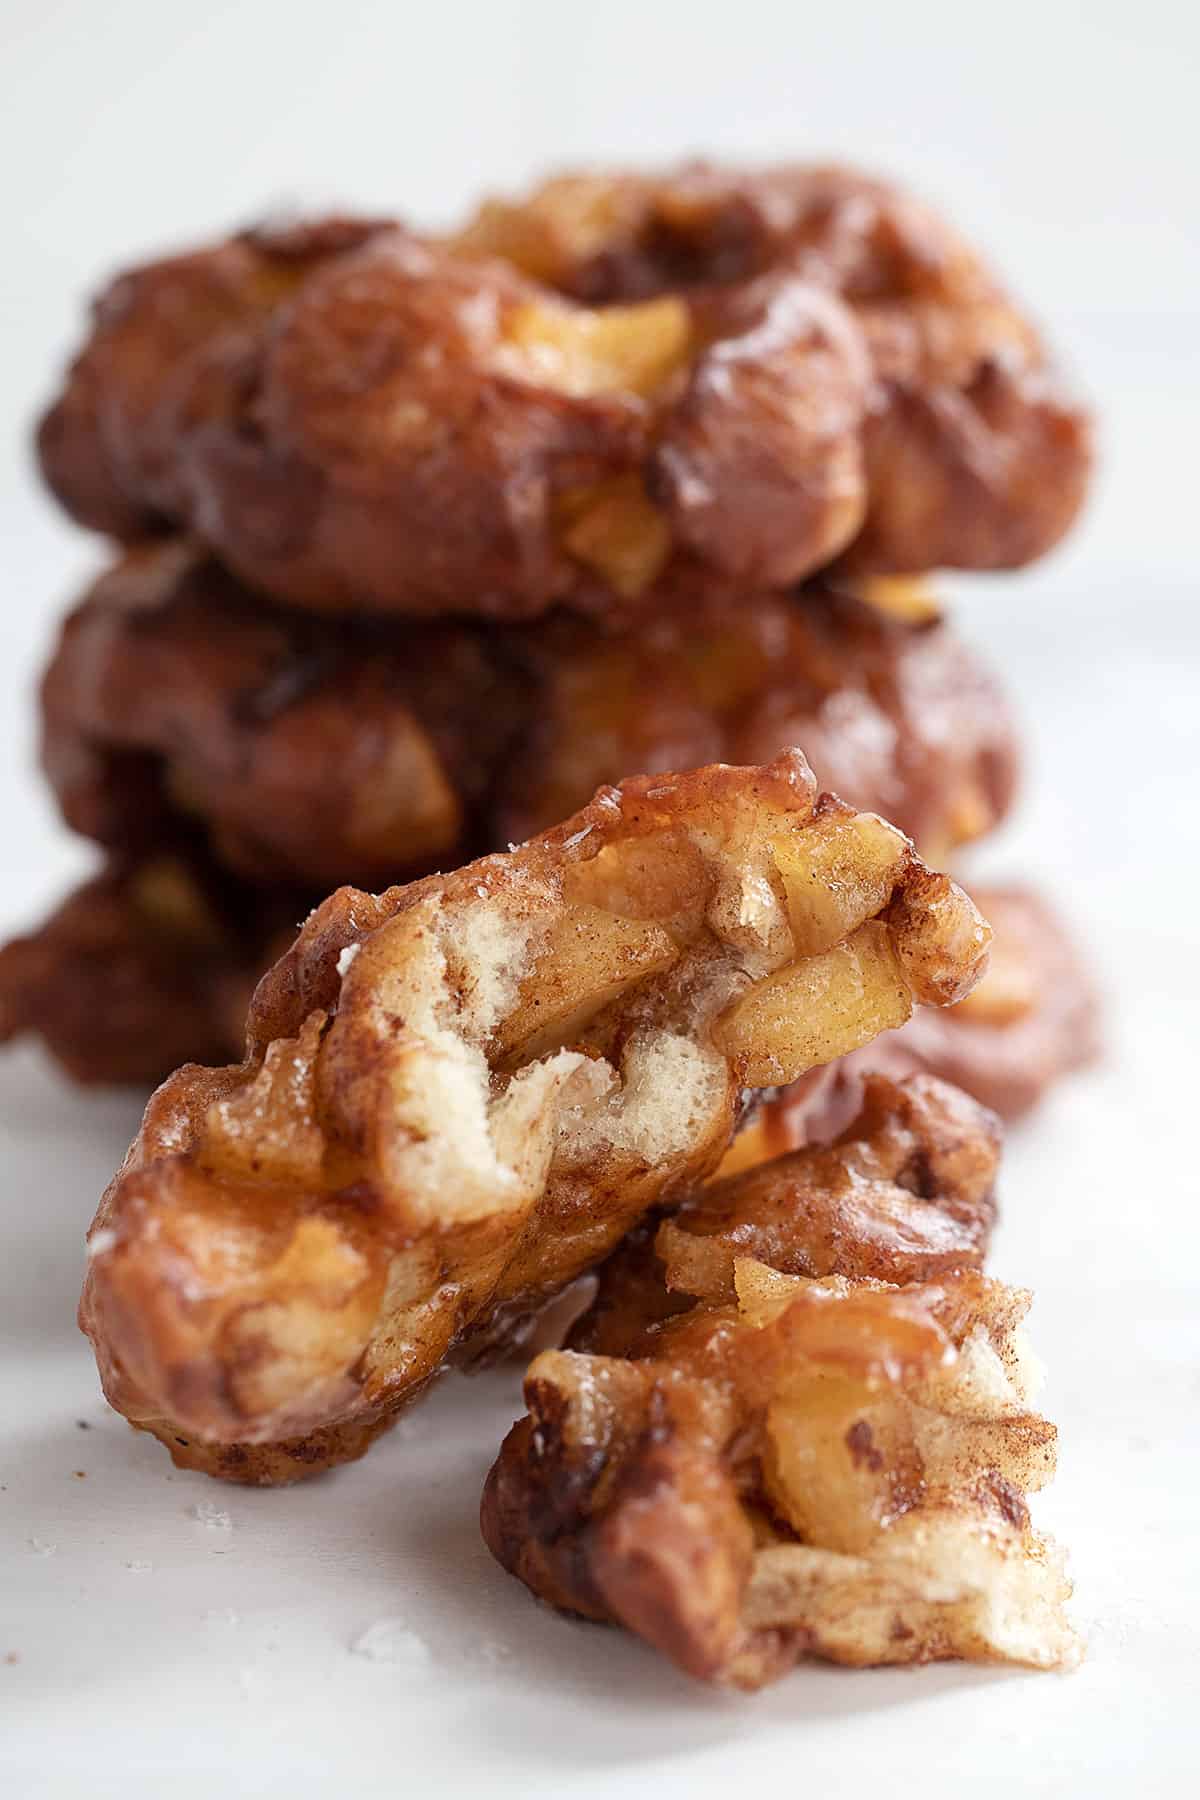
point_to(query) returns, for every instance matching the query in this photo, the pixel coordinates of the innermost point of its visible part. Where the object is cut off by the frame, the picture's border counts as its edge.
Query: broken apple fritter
(461, 1094)
(317, 751)
(355, 418)
(770, 1465)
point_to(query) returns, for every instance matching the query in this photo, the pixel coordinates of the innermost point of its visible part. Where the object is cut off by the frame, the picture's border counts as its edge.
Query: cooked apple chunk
(1035, 1018)
(820, 1464)
(461, 1094)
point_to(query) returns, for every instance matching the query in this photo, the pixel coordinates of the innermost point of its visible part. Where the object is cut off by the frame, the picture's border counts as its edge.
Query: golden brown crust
(907, 1193)
(308, 751)
(975, 454)
(313, 751)
(898, 717)
(405, 430)
(169, 342)
(148, 965)
(371, 421)
(1034, 1019)
(461, 1094)
(795, 1466)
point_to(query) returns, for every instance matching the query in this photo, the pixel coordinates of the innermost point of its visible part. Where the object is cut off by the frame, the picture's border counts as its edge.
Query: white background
(1065, 138)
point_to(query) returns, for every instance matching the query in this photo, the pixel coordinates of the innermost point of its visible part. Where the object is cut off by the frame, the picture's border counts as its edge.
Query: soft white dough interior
(984, 1374)
(466, 971)
(473, 1140)
(560, 1108)
(524, 1119)
(669, 1091)
(486, 953)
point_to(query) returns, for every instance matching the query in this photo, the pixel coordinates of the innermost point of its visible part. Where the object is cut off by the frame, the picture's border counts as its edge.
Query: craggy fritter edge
(1008, 1065)
(906, 1192)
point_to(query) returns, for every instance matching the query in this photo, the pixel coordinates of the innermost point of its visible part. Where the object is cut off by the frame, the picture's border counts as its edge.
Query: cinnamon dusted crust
(461, 1094)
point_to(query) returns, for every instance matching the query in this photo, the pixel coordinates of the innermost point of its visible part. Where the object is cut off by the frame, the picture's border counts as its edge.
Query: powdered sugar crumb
(391, 1641)
(211, 1516)
(101, 1241)
(40, 1547)
(139, 1568)
(346, 957)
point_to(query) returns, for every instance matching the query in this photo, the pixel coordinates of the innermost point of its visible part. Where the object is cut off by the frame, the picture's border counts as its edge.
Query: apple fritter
(793, 1465)
(312, 751)
(355, 418)
(461, 1094)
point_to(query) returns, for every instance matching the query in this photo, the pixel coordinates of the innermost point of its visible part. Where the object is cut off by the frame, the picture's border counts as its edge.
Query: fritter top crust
(312, 751)
(794, 1465)
(975, 456)
(764, 372)
(461, 1094)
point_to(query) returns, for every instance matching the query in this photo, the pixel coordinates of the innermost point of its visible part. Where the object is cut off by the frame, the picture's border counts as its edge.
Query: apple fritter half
(769, 1465)
(460, 1094)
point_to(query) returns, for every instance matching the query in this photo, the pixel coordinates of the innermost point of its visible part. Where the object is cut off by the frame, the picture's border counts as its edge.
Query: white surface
(159, 1653)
